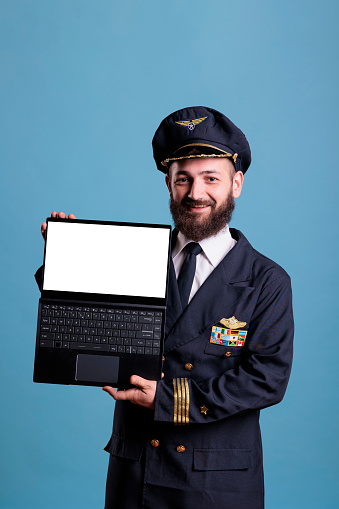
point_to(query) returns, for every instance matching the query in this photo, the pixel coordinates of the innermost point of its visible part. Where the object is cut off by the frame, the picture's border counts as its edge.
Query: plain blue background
(84, 85)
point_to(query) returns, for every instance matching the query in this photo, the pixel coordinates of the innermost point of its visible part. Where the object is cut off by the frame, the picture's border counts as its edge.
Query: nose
(197, 190)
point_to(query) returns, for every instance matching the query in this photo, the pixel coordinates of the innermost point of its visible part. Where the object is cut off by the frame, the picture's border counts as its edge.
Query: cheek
(178, 193)
(219, 196)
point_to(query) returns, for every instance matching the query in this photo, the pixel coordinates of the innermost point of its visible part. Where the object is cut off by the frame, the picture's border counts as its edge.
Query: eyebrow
(205, 172)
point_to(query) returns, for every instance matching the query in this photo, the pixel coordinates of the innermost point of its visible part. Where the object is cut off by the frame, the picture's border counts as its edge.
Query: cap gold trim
(224, 154)
(202, 145)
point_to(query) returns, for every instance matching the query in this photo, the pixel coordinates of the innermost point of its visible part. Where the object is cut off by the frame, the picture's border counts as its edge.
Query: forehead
(197, 166)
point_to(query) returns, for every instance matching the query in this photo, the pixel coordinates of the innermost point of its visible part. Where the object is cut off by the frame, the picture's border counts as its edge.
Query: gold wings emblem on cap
(232, 323)
(191, 123)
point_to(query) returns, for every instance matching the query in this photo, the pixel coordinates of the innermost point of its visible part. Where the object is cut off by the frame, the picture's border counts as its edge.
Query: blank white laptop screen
(106, 259)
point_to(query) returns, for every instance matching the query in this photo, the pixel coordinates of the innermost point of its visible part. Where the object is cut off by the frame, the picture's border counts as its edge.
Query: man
(193, 438)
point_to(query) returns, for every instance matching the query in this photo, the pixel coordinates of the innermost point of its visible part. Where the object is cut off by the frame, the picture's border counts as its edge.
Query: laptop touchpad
(97, 368)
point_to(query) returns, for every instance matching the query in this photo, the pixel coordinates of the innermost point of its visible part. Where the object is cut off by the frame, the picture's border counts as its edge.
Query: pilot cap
(199, 132)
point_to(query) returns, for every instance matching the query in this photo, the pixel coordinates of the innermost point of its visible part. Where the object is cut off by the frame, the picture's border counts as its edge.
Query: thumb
(138, 381)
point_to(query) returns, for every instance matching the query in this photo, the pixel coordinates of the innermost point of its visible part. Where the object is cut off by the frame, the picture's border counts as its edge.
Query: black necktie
(186, 276)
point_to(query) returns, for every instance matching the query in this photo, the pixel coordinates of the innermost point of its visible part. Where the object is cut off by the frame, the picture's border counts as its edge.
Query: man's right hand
(60, 215)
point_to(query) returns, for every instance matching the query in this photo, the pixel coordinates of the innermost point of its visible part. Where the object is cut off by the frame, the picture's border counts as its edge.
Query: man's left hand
(142, 394)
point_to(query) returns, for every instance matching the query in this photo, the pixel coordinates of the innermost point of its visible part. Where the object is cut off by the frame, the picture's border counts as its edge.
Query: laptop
(101, 315)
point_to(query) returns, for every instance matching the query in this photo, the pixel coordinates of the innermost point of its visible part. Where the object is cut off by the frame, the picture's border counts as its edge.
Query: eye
(181, 180)
(211, 179)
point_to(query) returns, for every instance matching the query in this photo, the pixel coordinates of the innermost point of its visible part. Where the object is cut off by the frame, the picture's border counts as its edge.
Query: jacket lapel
(174, 308)
(221, 290)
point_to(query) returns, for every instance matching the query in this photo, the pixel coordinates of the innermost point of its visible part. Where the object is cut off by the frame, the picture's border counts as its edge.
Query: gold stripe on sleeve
(179, 401)
(187, 402)
(183, 401)
(175, 390)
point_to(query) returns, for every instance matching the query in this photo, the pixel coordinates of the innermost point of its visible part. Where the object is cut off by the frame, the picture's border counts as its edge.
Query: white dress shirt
(214, 249)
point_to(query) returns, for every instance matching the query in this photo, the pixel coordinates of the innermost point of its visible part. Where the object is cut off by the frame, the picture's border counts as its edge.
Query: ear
(238, 181)
(168, 184)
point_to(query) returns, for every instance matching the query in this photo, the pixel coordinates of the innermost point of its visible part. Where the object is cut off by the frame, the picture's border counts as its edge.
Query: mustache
(197, 203)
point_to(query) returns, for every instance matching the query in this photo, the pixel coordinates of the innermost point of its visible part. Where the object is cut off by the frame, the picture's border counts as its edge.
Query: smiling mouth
(191, 204)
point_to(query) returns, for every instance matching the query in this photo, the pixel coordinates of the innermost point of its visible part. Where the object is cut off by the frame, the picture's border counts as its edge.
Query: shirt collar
(215, 248)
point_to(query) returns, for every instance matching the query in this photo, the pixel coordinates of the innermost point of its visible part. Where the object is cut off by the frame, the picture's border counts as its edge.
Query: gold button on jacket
(188, 366)
(155, 442)
(181, 448)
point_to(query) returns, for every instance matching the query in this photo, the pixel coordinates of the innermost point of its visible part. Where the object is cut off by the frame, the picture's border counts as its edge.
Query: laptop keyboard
(115, 330)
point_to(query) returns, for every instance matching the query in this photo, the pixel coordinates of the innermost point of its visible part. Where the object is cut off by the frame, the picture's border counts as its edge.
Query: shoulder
(261, 267)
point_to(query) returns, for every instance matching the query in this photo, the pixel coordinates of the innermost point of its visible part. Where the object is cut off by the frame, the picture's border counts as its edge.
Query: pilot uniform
(227, 355)
(202, 443)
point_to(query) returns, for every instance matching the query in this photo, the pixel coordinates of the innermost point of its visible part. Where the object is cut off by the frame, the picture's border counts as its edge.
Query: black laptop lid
(106, 261)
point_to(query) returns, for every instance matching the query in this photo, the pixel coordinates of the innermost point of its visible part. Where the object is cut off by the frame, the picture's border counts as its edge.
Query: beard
(193, 228)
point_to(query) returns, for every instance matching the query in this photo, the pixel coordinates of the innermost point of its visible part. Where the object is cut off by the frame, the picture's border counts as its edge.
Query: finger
(162, 375)
(119, 395)
(71, 216)
(43, 230)
(128, 395)
(54, 214)
(61, 215)
(110, 391)
(138, 381)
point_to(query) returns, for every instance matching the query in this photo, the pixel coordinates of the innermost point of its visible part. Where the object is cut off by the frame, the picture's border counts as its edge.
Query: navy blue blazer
(202, 444)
